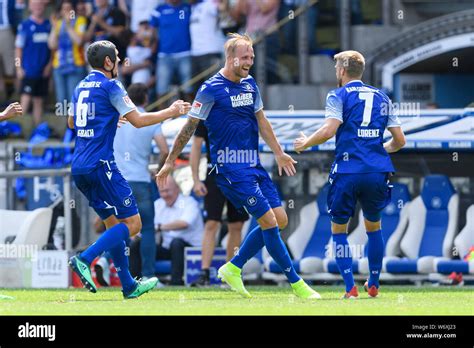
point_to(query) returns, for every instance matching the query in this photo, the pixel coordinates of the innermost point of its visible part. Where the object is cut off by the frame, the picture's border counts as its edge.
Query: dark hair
(97, 52)
(138, 93)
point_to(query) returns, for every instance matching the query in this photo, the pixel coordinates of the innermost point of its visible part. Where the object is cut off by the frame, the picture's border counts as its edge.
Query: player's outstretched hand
(180, 107)
(286, 162)
(300, 143)
(12, 110)
(162, 175)
(200, 189)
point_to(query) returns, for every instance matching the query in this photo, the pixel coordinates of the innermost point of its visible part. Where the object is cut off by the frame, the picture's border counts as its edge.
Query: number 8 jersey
(365, 112)
(97, 103)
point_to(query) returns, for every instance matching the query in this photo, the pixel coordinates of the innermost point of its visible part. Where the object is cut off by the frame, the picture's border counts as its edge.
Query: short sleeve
(155, 18)
(20, 37)
(191, 211)
(393, 120)
(203, 103)
(201, 130)
(119, 98)
(258, 100)
(333, 106)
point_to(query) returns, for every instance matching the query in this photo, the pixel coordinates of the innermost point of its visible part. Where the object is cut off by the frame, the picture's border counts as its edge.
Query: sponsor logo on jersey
(243, 99)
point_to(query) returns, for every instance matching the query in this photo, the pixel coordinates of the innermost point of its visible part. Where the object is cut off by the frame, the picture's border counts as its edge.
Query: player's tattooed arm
(284, 161)
(70, 122)
(181, 140)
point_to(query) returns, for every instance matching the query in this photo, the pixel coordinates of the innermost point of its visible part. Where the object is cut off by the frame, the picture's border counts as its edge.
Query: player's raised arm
(285, 162)
(138, 119)
(12, 110)
(181, 140)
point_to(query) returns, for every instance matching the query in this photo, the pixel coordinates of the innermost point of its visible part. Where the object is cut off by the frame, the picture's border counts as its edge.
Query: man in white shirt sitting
(178, 222)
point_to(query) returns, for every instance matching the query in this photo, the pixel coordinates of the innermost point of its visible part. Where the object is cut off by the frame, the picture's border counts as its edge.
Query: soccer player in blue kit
(230, 105)
(358, 115)
(97, 103)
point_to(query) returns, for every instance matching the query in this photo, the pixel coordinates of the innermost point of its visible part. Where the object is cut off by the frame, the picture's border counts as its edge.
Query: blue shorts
(251, 189)
(372, 190)
(107, 191)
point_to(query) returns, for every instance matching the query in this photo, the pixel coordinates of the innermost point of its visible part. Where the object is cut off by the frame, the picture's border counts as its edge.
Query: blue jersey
(97, 103)
(173, 25)
(33, 39)
(228, 110)
(365, 112)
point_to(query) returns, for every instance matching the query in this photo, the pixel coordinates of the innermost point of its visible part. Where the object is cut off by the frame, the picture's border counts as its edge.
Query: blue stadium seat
(163, 267)
(463, 242)
(433, 219)
(308, 243)
(394, 223)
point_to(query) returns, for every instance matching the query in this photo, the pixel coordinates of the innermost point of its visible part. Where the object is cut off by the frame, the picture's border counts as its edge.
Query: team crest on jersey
(127, 202)
(196, 108)
(128, 101)
(251, 201)
(248, 87)
(227, 90)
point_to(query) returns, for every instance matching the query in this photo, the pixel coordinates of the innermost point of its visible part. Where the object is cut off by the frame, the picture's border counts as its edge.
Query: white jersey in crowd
(206, 36)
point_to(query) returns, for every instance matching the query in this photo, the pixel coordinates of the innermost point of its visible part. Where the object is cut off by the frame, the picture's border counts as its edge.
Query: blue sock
(375, 250)
(344, 259)
(279, 253)
(109, 239)
(120, 258)
(252, 243)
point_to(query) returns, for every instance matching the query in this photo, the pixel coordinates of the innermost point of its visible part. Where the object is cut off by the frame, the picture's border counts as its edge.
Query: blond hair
(235, 40)
(352, 61)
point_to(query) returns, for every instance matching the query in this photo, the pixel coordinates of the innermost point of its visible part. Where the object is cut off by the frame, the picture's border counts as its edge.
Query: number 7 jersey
(97, 103)
(365, 112)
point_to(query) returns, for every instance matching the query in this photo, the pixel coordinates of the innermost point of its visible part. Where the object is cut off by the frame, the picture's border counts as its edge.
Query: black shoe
(202, 281)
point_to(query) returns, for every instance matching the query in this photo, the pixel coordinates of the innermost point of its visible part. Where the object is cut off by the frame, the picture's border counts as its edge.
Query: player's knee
(134, 225)
(371, 226)
(268, 221)
(211, 226)
(282, 221)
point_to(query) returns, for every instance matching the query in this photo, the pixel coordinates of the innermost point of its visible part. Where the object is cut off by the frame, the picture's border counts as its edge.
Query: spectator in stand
(290, 28)
(262, 15)
(141, 11)
(178, 223)
(174, 51)
(207, 39)
(178, 219)
(226, 22)
(7, 54)
(34, 55)
(132, 150)
(108, 23)
(140, 52)
(66, 40)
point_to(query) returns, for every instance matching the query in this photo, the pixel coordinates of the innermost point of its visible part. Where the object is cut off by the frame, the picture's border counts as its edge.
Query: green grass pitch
(267, 300)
